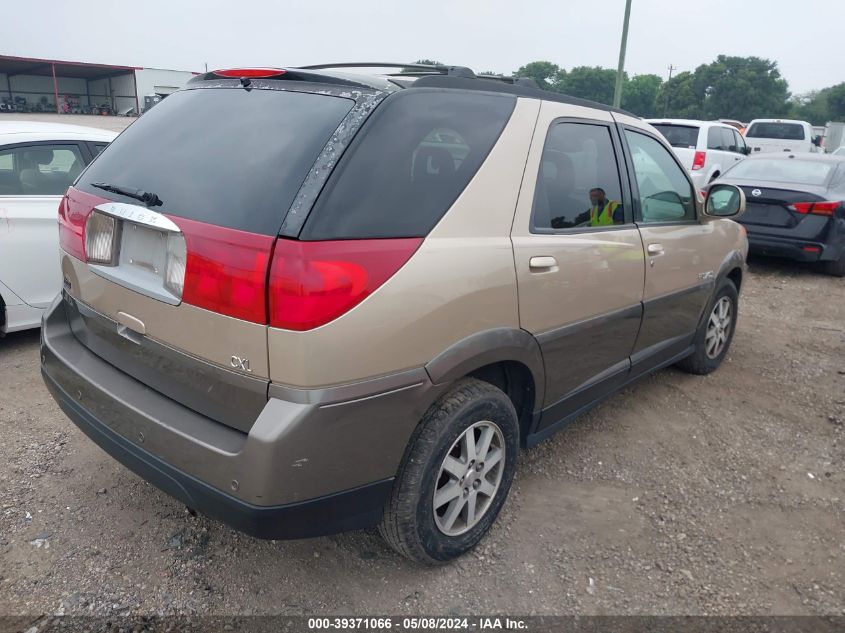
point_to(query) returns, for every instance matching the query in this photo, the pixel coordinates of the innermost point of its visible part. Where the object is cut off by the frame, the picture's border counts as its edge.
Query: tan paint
(461, 281)
(597, 271)
(207, 335)
(689, 250)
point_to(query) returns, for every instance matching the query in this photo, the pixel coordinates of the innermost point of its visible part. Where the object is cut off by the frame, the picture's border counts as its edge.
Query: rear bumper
(348, 510)
(789, 248)
(304, 469)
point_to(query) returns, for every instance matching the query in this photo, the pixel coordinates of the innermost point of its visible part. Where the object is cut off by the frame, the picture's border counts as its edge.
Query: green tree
(835, 96)
(639, 95)
(429, 62)
(741, 88)
(820, 106)
(547, 75)
(677, 98)
(590, 82)
(811, 106)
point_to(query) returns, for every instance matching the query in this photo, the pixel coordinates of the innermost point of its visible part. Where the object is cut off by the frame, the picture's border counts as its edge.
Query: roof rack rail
(516, 81)
(424, 69)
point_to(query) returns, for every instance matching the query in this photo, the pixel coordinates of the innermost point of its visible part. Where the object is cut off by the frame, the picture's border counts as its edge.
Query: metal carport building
(58, 86)
(50, 85)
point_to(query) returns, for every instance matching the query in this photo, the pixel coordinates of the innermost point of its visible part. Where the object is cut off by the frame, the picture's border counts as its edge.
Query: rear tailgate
(686, 156)
(764, 145)
(777, 136)
(682, 138)
(772, 207)
(172, 289)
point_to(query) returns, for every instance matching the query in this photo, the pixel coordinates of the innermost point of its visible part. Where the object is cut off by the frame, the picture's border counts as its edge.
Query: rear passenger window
(718, 139)
(665, 194)
(578, 182)
(39, 170)
(412, 160)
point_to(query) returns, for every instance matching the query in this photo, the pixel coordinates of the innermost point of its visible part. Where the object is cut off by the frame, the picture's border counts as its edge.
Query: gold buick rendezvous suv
(305, 300)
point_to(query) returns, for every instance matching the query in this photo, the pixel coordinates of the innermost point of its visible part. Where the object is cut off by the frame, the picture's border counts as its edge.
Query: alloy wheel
(469, 478)
(718, 328)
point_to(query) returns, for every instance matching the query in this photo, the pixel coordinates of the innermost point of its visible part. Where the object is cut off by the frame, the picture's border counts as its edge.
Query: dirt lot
(681, 495)
(116, 123)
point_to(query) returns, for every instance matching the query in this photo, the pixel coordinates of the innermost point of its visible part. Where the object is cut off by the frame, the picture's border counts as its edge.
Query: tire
(835, 268)
(411, 524)
(701, 362)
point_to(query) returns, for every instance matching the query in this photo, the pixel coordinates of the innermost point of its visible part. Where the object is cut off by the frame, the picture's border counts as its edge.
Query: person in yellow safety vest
(604, 212)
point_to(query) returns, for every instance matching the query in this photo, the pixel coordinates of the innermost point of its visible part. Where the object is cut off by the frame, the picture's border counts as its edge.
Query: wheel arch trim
(487, 347)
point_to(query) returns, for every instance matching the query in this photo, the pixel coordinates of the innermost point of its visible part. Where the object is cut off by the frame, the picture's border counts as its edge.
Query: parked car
(705, 148)
(37, 163)
(781, 135)
(795, 206)
(739, 125)
(357, 308)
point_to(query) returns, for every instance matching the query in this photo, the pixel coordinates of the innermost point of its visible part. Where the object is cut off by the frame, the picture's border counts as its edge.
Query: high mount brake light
(253, 73)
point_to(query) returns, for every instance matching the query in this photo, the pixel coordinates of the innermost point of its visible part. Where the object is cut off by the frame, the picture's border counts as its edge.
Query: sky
(803, 36)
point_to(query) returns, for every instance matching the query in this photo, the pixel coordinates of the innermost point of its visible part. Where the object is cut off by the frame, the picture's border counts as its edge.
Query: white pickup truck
(781, 135)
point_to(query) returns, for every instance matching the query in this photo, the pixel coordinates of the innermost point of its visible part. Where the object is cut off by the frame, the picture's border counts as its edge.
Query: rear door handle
(655, 249)
(543, 263)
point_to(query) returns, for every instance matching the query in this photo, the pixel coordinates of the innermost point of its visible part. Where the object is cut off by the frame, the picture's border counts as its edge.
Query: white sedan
(38, 161)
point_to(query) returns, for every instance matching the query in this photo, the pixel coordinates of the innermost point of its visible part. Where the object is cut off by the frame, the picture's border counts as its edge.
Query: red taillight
(312, 283)
(74, 210)
(815, 208)
(812, 249)
(698, 160)
(226, 269)
(250, 72)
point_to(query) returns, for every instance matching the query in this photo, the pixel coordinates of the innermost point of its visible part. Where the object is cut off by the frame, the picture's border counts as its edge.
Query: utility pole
(666, 103)
(617, 92)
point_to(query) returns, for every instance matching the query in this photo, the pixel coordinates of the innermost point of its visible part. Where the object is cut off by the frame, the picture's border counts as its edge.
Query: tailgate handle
(131, 328)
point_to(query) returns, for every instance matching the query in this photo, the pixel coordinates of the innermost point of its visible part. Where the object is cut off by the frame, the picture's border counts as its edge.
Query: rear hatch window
(685, 136)
(780, 131)
(791, 170)
(225, 156)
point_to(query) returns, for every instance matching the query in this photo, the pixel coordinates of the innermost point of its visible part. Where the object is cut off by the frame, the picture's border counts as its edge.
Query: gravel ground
(115, 123)
(681, 495)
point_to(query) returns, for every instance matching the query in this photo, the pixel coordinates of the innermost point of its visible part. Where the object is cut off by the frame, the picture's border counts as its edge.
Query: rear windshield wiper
(147, 197)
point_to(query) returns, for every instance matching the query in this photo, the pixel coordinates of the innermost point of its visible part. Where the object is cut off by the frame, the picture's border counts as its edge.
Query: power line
(668, 88)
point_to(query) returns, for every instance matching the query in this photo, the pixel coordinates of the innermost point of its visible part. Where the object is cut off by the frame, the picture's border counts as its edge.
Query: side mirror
(724, 201)
(746, 150)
